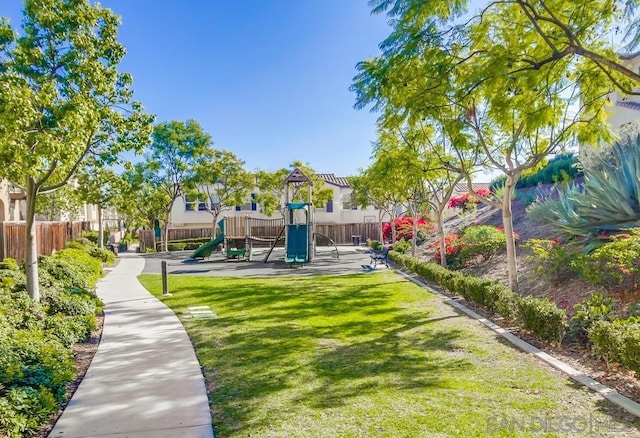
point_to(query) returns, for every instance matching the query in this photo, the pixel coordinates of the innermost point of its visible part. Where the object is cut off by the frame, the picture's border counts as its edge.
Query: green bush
(70, 329)
(374, 245)
(543, 318)
(561, 169)
(92, 236)
(36, 363)
(482, 240)
(493, 295)
(616, 264)
(553, 262)
(401, 246)
(102, 254)
(596, 308)
(24, 409)
(176, 246)
(617, 341)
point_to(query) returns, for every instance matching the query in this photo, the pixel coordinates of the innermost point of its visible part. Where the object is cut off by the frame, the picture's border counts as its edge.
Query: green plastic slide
(206, 249)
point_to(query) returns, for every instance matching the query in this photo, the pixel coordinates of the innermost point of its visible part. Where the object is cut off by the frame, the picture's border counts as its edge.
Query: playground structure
(297, 228)
(300, 239)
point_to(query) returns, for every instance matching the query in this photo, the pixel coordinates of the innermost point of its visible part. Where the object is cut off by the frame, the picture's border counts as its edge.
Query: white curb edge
(624, 402)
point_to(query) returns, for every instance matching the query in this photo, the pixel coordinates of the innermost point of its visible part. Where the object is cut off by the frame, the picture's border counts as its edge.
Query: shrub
(466, 200)
(553, 262)
(87, 265)
(70, 329)
(616, 264)
(404, 229)
(491, 294)
(452, 248)
(482, 240)
(374, 245)
(104, 255)
(92, 236)
(596, 308)
(23, 409)
(617, 341)
(402, 246)
(176, 246)
(543, 318)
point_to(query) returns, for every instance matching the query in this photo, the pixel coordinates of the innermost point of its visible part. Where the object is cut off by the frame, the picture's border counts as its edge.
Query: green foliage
(609, 200)
(596, 308)
(483, 240)
(617, 341)
(552, 261)
(92, 237)
(616, 264)
(176, 246)
(495, 296)
(36, 363)
(70, 329)
(374, 245)
(24, 409)
(561, 169)
(543, 318)
(103, 254)
(402, 246)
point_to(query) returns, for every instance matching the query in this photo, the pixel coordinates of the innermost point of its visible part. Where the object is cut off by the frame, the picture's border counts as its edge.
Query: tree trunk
(380, 213)
(31, 243)
(165, 240)
(394, 233)
(214, 232)
(440, 237)
(100, 229)
(414, 237)
(507, 221)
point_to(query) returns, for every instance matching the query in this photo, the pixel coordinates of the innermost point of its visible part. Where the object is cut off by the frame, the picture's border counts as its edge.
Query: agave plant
(609, 199)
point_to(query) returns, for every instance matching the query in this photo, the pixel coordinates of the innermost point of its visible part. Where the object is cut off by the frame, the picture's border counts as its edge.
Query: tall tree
(517, 118)
(221, 181)
(271, 190)
(565, 29)
(171, 161)
(99, 186)
(62, 100)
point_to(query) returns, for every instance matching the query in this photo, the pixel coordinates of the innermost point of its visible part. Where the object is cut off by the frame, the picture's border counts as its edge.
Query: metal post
(165, 282)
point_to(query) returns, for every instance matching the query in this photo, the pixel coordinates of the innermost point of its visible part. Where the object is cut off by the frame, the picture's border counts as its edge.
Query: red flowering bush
(404, 229)
(463, 200)
(452, 246)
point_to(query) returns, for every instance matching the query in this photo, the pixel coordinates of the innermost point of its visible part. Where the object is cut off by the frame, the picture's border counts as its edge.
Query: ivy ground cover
(368, 355)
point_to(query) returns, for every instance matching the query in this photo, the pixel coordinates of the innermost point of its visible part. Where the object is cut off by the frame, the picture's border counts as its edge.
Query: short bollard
(165, 282)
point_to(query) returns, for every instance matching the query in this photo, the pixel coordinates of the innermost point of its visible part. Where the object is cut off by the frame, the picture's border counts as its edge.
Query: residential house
(625, 110)
(12, 206)
(192, 213)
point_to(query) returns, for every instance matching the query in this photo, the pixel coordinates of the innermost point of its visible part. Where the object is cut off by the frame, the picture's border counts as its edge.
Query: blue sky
(268, 79)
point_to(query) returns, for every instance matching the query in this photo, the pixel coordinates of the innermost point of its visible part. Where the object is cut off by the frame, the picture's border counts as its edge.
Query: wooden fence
(50, 237)
(341, 234)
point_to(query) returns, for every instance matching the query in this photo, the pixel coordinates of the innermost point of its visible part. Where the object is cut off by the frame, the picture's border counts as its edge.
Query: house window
(347, 203)
(329, 206)
(192, 203)
(251, 205)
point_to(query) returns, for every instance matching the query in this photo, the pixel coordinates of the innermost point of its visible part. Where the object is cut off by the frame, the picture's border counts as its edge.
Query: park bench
(380, 256)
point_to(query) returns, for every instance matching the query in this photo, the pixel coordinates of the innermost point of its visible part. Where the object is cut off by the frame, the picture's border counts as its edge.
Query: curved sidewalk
(145, 379)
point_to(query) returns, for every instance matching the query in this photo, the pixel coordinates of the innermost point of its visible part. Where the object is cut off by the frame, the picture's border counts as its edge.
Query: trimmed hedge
(617, 341)
(540, 316)
(543, 318)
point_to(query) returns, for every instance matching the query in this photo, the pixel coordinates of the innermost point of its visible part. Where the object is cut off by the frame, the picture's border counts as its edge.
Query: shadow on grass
(316, 342)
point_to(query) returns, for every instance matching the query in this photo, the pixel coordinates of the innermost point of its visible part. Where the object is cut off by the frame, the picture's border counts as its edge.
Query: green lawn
(366, 355)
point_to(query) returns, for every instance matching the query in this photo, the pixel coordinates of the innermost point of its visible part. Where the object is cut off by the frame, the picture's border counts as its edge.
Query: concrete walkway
(145, 380)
